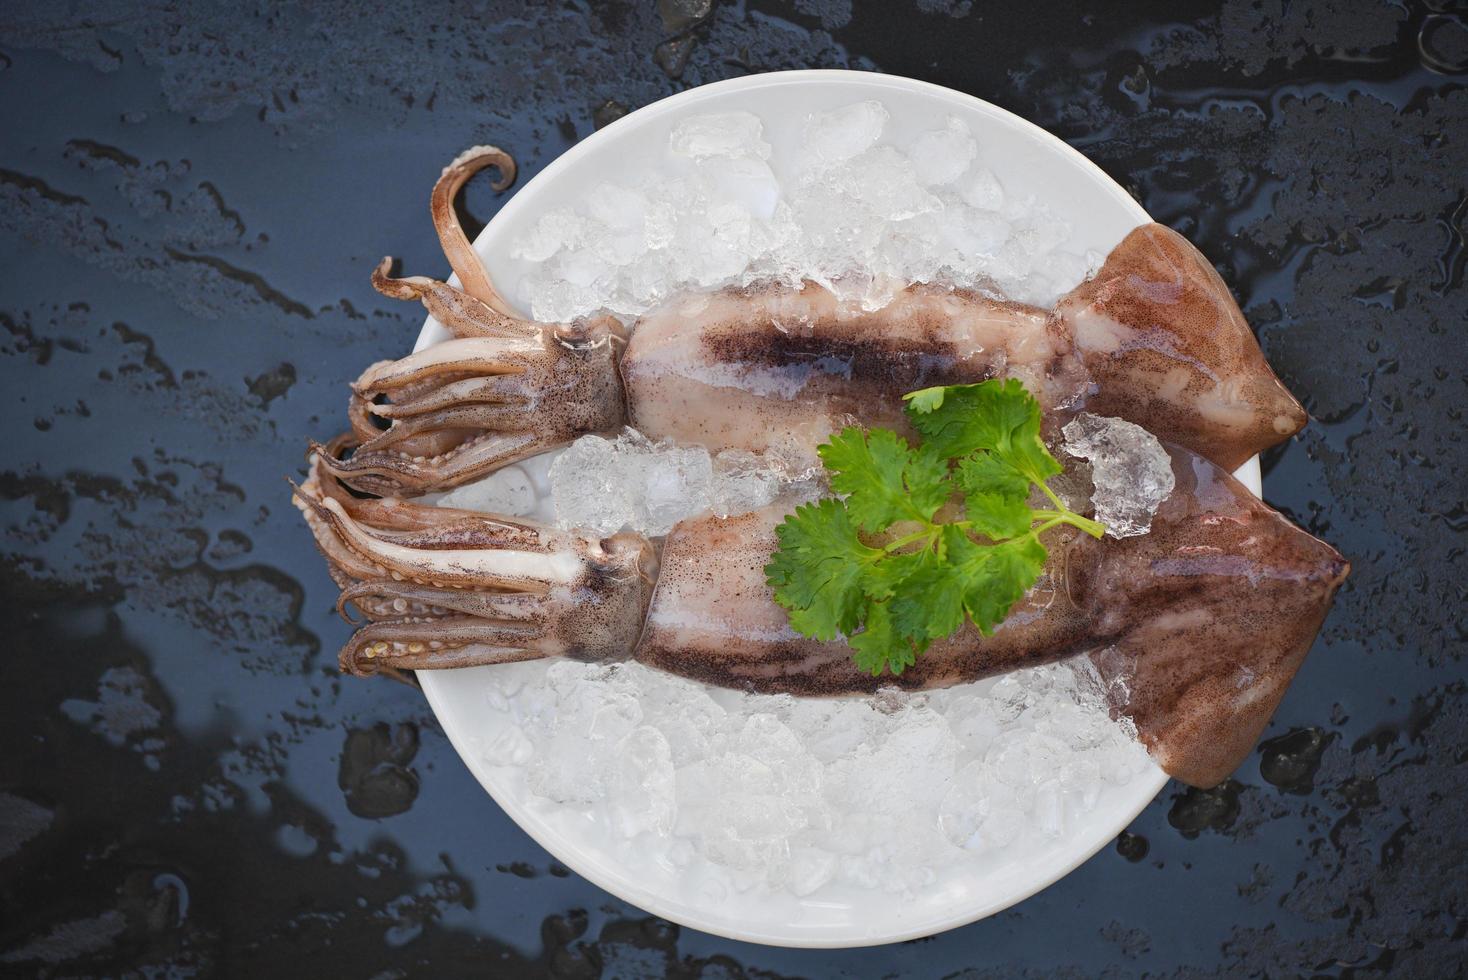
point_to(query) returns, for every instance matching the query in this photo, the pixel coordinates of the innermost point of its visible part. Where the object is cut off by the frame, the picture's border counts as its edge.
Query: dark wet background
(190, 202)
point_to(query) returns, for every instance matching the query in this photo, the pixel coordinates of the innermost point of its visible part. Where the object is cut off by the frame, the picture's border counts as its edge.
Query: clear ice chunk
(942, 155)
(1131, 472)
(720, 134)
(589, 489)
(557, 229)
(833, 137)
(675, 485)
(606, 485)
(983, 191)
(744, 481)
(747, 182)
(643, 798)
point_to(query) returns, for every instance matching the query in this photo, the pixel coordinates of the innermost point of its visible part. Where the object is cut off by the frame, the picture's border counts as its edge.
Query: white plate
(1027, 160)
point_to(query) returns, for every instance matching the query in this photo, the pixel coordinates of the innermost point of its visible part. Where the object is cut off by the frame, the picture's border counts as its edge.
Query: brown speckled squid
(1154, 337)
(1197, 626)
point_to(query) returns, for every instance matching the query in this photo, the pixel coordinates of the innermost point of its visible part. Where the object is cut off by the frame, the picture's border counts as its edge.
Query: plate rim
(1149, 785)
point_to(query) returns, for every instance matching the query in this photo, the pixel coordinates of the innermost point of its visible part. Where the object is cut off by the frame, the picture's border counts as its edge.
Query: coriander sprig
(892, 598)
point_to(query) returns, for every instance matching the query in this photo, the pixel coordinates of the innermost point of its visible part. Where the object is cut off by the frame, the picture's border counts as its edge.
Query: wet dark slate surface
(190, 203)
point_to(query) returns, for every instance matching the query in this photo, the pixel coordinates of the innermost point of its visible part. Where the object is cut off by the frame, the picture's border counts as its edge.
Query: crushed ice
(858, 215)
(632, 483)
(1130, 471)
(782, 793)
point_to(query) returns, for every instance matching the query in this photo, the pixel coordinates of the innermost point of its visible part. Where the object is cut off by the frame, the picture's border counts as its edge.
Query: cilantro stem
(926, 533)
(1054, 499)
(1066, 516)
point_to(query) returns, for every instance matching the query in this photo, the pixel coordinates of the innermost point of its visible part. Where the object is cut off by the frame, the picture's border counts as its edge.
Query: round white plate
(1027, 160)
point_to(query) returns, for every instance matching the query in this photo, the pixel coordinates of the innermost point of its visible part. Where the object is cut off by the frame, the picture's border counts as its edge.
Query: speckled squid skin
(443, 588)
(1154, 338)
(1197, 627)
(1165, 346)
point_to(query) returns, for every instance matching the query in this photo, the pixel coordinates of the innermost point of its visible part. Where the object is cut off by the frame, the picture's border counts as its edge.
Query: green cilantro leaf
(1000, 416)
(996, 517)
(992, 578)
(983, 472)
(817, 571)
(926, 606)
(884, 479)
(892, 601)
(877, 648)
(994, 495)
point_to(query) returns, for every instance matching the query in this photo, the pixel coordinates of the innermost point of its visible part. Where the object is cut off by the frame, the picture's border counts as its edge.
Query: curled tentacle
(503, 389)
(463, 314)
(461, 255)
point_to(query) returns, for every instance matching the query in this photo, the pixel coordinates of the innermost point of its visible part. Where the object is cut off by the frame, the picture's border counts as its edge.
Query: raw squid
(1154, 338)
(1196, 627)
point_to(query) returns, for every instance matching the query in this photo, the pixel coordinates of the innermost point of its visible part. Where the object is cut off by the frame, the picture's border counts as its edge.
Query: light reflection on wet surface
(188, 215)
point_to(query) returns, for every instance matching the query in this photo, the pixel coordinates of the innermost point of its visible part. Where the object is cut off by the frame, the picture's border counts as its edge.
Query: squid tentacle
(441, 588)
(495, 389)
(463, 314)
(403, 473)
(377, 603)
(456, 246)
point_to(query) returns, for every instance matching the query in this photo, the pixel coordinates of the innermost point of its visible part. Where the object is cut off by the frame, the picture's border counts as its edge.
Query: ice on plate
(854, 212)
(763, 792)
(632, 483)
(740, 793)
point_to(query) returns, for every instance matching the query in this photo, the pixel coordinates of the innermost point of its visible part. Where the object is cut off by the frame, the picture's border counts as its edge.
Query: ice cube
(942, 155)
(743, 481)
(885, 182)
(617, 207)
(1049, 816)
(983, 191)
(557, 229)
(766, 738)
(965, 805)
(510, 747)
(974, 234)
(1002, 826)
(751, 184)
(588, 487)
(810, 868)
(831, 729)
(675, 485)
(911, 766)
(832, 137)
(1130, 470)
(642, 788)
(974, 722)
(720, 134)
(585, 267)
(1080, 778)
